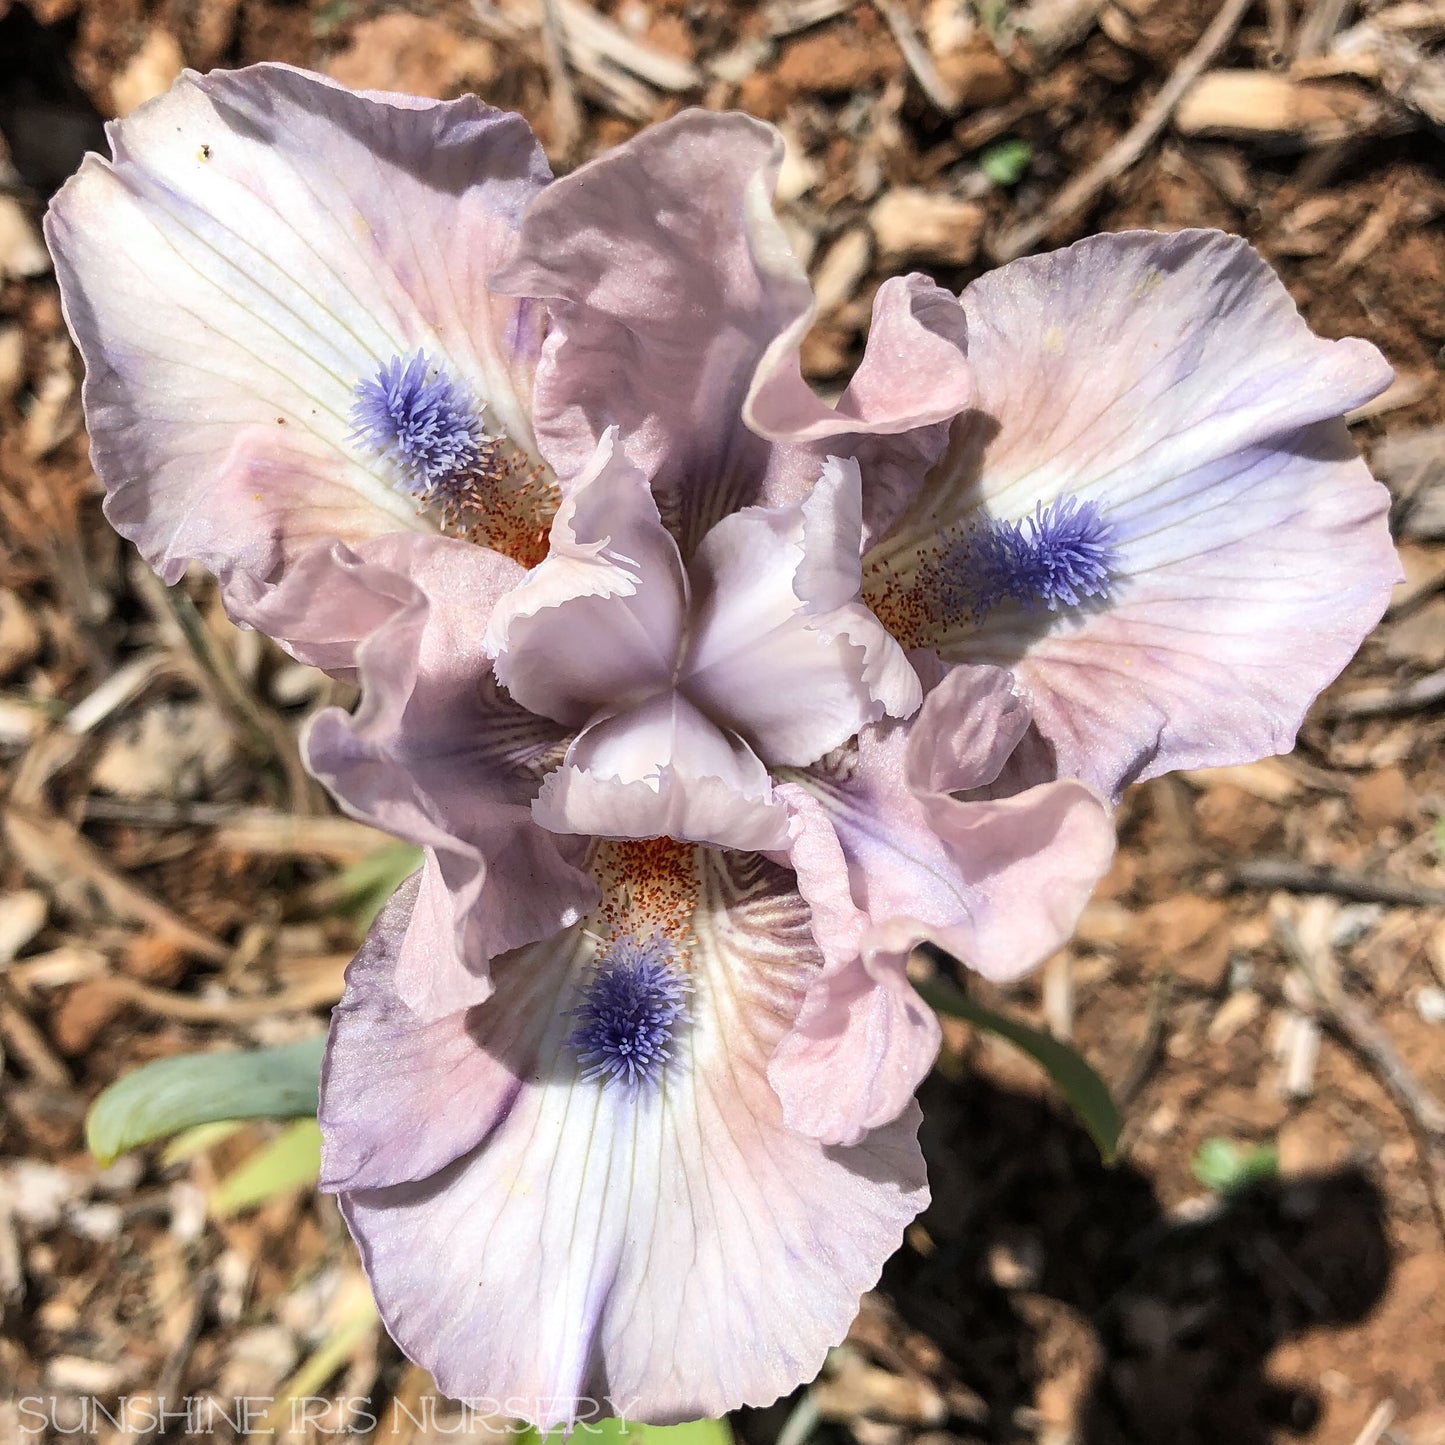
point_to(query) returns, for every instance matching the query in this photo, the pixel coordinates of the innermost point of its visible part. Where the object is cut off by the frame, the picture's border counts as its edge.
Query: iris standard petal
(663, 1253)
(668, 277)
(893, 416)
(263, 241)
(1135, 515)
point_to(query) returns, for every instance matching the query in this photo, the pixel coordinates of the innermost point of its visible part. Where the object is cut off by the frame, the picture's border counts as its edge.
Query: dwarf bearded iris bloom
(619, 1098)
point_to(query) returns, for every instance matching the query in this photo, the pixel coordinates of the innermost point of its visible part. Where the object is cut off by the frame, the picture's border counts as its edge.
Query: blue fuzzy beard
(1055, 558)
(415, 416)
(629, 1013)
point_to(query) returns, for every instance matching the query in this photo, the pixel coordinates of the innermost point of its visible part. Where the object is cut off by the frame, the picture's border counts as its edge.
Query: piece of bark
(1255, 104)
(918, 225)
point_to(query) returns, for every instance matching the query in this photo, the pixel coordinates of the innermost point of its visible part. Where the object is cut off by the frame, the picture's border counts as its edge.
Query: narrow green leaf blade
(1087, 1094)
(190, 1142)
(630, 1432)
(292, 1159)
(172, 1095)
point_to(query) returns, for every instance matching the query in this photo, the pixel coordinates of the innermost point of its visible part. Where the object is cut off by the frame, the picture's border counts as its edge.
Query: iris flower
(706, 701)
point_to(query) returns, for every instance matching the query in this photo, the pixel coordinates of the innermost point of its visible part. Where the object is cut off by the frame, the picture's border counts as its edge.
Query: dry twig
(1415, 696)
(1322, 995)
(1294, 877)
(323, 987)
(567, 122)
(51, 849)
(1317, 28)
(917, 58)
(1151, 1045)
(217, 677)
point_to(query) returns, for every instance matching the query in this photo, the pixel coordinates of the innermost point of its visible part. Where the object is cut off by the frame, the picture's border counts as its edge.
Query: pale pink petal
(862, 1045)
(915, 371)
(600, 620)
(671, 1252)
(668, 277)
(330, 596)
(863, 1040)
(1214, 657)
(437, 755)
(913, 380)
(998, 882)
(780, 648)
(433, 1071)
(1169, 381)
(262, 242)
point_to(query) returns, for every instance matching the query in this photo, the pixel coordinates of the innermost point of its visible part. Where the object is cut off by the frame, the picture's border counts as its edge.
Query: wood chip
(415, 55)
(1270, 779)
(22, 253)
(917, 225)
(1402, 68)
(1052, 26)
(1059, 996)
(1238, 1011)
(842, 269)
(916, 57)
(12, 360)
(123, 686)
(1407, 388)
(1254, 104)
(1301, 1054)
(54, 415)
(22, 916)
(592, 34)
(12, 1267)
(172, 749)
(150, 71)
(788, 17)
(858, 1388)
